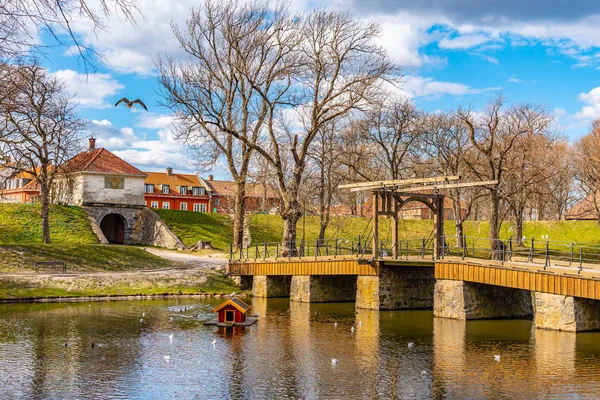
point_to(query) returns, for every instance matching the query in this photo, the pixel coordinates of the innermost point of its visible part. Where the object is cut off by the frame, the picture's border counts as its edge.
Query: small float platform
(250, 320)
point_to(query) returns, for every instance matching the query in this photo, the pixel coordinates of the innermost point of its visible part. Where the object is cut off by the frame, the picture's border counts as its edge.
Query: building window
(202, 207)
(148, 188)
(183, 190)
(198, 207)
(154, 204)
(183, 206)
(166, 205)
(165, 189)
(217, 202)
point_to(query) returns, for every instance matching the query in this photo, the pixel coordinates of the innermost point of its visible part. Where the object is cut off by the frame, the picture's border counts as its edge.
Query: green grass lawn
(21, 223)
(193, 226)
(82, 258)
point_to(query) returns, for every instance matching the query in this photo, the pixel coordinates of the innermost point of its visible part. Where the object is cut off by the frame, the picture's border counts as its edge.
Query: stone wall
(566, 313)
(396, 289)
(323, 288)
(93, 191)
(271, 286)
(142, 226)
(467, 300)
(150, 229)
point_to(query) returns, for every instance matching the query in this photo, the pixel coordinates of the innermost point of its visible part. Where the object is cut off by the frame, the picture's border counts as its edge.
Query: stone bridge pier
(323, 288)
(468, 300)
(271, 286)
(566, 313)
(396, 288)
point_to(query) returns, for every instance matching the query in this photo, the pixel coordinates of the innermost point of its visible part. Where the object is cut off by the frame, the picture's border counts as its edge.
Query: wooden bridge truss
(391, 195)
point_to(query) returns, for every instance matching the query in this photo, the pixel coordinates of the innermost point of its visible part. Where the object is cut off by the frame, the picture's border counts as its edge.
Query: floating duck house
(233, 312)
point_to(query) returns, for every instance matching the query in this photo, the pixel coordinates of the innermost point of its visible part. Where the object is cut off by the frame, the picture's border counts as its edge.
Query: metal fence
(544, 252)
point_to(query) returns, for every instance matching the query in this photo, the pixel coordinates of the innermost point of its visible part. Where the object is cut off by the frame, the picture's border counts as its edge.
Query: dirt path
(216, 261)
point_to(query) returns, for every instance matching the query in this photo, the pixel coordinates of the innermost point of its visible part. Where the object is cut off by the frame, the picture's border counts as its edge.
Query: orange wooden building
(171, 191)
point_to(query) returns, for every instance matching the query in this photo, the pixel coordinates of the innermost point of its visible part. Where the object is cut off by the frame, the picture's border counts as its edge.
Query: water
(286, 355)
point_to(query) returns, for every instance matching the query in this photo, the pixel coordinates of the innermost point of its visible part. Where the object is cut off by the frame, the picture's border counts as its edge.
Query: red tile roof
(100, 160)
(582, 210)
(228, 188)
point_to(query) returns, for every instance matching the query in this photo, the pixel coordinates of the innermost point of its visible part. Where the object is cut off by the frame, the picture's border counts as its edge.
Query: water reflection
(286, 355)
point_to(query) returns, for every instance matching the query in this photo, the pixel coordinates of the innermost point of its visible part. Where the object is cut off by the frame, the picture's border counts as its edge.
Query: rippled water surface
(286, 355)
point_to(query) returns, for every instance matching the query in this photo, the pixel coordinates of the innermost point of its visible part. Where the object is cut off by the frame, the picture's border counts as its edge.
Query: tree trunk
(458, 229)
(322, 232)
(238, 214)
(458, 222)
(45, 214)
(494, 222)
(518, 233)
(288, 243)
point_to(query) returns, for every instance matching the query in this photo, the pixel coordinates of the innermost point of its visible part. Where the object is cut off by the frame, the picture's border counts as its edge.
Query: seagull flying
(130, 103)
(497, 358)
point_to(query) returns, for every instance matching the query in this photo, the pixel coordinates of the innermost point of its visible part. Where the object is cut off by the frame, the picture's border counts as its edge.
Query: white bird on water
(334, 361)
(167, 358)
(497, 358)
(423, 373)
(143, 314)
(359, 323)
(335, 324)
(171, 337)
(411, 345)
(141, 320)
(214, 342)
(352, 329)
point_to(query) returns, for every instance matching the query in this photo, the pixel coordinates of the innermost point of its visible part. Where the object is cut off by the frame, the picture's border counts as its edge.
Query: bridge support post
(396, 289)
(270, 286)
(322, 288)
(566, 313)
(468, 300)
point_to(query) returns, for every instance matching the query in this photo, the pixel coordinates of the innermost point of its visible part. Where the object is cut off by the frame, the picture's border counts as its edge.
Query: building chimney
(210, 177)
(169, 171)
(92, 144)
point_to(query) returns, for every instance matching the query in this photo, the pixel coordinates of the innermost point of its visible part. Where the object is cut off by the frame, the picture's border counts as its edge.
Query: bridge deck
(556, 279)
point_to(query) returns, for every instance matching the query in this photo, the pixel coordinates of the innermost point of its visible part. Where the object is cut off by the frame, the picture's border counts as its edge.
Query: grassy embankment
(74, 243)
(217, 228)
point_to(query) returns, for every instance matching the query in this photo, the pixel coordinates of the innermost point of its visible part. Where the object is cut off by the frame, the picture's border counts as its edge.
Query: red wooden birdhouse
(233, 311)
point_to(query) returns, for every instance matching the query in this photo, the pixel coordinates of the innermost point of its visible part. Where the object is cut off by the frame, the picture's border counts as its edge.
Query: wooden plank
(449, 186)
(397, 182)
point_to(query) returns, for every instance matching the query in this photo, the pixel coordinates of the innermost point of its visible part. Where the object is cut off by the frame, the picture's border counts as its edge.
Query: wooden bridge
(558, 296)
(476, 278)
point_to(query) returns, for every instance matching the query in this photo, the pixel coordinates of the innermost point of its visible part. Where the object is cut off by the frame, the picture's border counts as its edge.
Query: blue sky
(452, 53)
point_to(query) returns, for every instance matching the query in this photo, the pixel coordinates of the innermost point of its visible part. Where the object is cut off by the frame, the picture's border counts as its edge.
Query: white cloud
(154, 159)
(590, 111)
(463, 42)
(420, 86)
(89, 90)
(513, 79)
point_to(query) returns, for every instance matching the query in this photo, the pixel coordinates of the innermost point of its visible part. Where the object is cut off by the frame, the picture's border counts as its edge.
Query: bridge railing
(530, 250)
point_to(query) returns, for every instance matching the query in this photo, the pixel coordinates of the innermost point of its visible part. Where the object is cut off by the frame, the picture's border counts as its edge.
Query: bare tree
(340, 68)
(325, 157)
(587, 166)
(22, 20)
(528, 169)
(451, 152)
(395, 127)
(39, 127)
(223, 94)
(494, 136)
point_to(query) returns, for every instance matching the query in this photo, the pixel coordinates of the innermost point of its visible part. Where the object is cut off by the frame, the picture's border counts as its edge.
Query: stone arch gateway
(113, 227)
